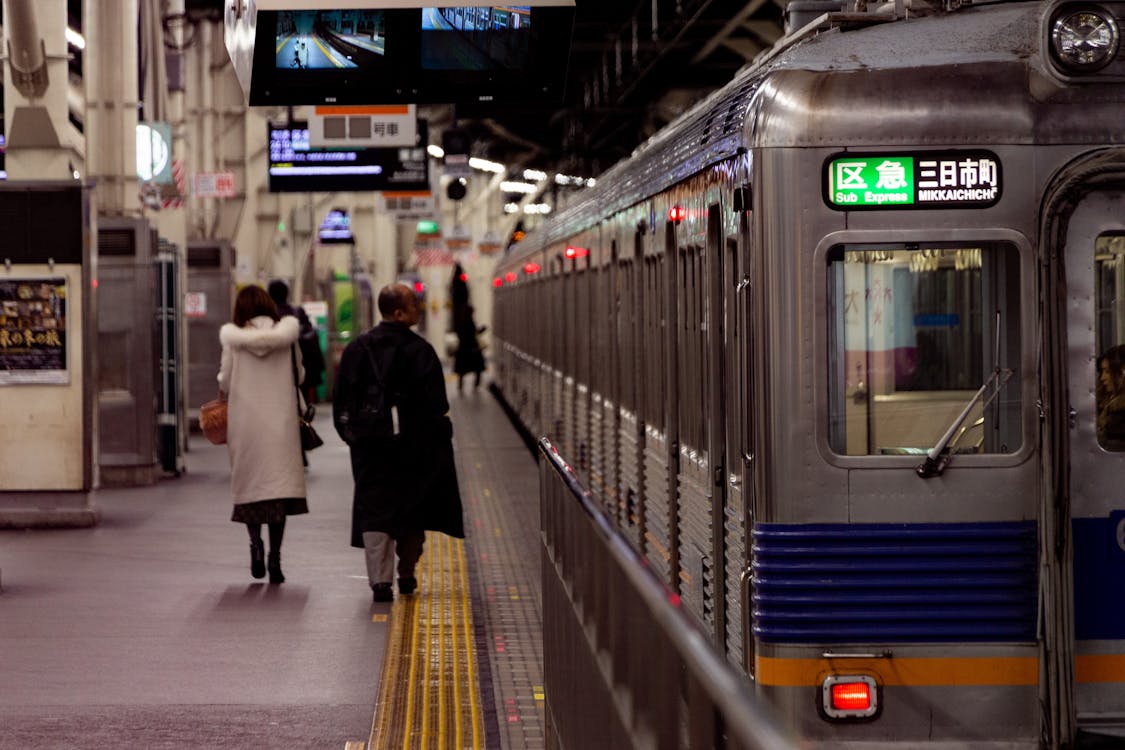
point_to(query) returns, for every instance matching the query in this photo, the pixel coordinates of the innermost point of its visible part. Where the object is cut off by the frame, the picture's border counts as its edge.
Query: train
(831, 350)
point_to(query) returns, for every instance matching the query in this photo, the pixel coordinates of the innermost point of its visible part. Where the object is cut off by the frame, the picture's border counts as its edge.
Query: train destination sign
(948, 179)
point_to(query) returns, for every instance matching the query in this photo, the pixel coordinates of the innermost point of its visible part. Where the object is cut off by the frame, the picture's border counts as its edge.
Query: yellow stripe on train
(1005, 670)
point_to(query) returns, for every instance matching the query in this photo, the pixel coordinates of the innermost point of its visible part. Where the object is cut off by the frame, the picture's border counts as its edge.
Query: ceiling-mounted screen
(508, 53)
(296, 166)
(330, 39)
(492, 38)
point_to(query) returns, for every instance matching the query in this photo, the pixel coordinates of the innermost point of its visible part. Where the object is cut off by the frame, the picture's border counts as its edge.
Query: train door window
(579, 333)
(692, 367)
(1109, 379)
(915, 330)
(654, 342)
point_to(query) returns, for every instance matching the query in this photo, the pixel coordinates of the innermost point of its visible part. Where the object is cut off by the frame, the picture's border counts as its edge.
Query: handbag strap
(296, 384)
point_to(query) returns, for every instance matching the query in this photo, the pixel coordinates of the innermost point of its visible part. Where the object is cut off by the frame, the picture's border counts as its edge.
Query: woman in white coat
(256, 376)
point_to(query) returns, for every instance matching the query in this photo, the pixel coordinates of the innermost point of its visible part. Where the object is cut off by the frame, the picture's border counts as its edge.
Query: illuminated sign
(951, 179)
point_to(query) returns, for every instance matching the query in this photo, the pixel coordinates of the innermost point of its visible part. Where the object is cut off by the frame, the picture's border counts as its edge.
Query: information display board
(946, 179)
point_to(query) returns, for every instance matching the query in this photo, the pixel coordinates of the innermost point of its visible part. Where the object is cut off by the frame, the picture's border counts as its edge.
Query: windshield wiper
(938, 457)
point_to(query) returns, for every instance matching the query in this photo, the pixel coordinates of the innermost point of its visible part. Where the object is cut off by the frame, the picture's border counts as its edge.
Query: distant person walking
(469, 358)
(390, 407)
(307, 339)
(256, 376)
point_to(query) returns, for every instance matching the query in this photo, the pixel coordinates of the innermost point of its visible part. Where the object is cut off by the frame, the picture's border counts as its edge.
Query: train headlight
(1084, 39)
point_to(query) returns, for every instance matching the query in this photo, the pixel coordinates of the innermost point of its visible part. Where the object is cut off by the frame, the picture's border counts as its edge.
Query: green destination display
(953, 179)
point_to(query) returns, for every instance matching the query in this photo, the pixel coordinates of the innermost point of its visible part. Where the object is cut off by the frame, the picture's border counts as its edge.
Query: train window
(915, 330)
(1109, 379)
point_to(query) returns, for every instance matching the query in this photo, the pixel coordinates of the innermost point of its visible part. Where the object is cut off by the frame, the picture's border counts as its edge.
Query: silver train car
(835, 349)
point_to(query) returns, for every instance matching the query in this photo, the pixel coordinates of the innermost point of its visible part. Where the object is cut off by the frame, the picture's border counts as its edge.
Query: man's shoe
(382, 592)
(407, 585)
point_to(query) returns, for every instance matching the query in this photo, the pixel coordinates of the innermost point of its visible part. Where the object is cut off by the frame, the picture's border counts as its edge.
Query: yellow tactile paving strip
(430, 690)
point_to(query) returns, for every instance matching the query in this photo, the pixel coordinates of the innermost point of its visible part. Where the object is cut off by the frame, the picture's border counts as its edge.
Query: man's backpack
(373, 413)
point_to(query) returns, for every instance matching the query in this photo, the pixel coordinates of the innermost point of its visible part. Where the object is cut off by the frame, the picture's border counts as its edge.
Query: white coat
(256, 375)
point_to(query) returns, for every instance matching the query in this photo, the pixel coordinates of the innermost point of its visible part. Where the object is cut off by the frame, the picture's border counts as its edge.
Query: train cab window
(915, 331)
(1109, 378)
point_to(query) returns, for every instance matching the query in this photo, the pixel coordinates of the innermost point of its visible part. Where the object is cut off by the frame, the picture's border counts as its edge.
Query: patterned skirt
(269, 511)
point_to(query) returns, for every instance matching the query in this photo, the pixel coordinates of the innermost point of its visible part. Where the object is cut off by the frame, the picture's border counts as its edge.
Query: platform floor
(147, 630)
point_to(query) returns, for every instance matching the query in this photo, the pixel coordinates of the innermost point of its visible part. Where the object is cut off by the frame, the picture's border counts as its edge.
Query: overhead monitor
(287, 55)
(336, 229)
(297, 166)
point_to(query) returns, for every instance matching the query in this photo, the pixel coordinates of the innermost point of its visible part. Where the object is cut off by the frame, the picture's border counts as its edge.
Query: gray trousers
(379, 552)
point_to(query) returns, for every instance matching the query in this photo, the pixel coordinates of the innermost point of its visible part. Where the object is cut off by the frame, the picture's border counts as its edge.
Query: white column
(110, 73)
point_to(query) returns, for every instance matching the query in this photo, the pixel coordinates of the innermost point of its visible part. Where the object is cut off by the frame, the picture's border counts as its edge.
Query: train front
(939, 525)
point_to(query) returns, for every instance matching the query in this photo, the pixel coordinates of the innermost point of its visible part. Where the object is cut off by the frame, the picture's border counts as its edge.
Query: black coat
(409, 482)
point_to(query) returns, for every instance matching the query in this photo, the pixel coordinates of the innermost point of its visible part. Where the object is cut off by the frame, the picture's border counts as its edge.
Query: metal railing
(624, 666)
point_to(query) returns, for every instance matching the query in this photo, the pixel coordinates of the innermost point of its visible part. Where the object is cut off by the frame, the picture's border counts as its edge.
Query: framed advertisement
(33, 331)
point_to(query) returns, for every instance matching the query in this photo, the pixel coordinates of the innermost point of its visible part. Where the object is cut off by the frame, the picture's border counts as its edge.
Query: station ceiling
(625, 81)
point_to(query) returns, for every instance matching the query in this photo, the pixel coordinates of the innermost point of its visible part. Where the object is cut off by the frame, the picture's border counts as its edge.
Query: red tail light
(498, 282)
(676, 214)
(850, 696)
(510, 276)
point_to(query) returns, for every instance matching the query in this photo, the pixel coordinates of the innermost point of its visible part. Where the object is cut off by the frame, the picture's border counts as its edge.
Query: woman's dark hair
(253, 301)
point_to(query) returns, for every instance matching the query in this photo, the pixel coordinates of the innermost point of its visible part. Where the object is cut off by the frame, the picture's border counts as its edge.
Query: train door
(1094, 438)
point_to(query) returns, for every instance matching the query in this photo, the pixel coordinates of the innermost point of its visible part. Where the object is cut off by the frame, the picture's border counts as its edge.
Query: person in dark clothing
(469, 357)
(1110, 398)
(405, 476)
(307, 341)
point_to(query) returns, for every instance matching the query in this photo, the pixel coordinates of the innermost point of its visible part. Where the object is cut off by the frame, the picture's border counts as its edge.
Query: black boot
(276, 576)
(257, 558)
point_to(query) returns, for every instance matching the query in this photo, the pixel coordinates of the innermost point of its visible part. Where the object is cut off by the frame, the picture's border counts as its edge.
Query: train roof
(825, 86)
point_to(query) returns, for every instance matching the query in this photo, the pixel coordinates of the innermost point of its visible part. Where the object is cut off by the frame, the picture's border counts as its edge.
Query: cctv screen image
(329, 39)
(483, 38)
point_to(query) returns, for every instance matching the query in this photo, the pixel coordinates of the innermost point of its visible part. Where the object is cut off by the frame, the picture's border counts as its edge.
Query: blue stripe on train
(1099, 577)
(894, 583)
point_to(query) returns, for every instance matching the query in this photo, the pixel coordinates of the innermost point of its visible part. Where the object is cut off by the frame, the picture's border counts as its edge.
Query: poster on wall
(33, 331)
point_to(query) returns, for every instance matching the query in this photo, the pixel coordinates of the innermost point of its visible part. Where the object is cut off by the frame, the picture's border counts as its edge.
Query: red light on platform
(676, 214)
(419, 287)
(530, 268)
(498, 282)
(464, 277)
(576, 252)
(510, 277)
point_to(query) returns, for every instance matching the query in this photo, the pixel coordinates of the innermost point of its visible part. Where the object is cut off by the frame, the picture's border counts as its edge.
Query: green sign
(871, 181)
(924, 179)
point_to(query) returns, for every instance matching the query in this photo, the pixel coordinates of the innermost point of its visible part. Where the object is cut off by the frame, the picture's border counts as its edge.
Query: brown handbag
(213, 421)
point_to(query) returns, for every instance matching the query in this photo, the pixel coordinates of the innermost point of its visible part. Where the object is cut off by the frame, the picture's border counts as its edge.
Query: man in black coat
(405, 476)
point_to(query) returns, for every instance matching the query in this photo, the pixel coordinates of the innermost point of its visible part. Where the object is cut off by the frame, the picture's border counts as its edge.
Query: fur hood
(260, 335)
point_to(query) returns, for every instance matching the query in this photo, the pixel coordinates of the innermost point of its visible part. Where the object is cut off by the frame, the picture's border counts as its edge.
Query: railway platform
(147, 631)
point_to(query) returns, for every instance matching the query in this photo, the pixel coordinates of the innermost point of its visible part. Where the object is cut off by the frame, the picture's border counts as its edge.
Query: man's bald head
(398, 302)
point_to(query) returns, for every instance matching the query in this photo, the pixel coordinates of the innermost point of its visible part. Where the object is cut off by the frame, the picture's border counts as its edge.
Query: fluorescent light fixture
(508, 186)
(511, 208)
(435, 151)
(534, 174)
(537, 208)
(485, 165)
